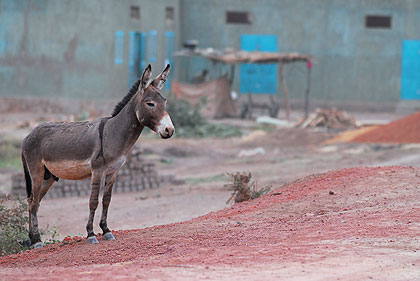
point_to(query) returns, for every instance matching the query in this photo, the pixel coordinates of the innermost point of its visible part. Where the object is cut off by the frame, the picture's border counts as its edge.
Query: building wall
(65, 48)
(351, 63)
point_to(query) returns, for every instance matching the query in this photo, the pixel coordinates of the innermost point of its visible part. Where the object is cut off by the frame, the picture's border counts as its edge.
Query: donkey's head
(151, 105)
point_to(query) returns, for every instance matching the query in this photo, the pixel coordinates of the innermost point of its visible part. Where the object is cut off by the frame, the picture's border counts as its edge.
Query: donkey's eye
(151, 104)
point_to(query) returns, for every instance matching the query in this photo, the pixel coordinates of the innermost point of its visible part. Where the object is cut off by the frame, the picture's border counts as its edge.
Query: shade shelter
(235, 57)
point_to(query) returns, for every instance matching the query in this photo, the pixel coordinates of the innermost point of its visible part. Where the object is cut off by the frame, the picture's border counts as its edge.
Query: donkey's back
(64, 148)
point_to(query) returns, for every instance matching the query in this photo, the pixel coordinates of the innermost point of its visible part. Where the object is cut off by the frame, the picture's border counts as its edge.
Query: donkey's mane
(126, 99)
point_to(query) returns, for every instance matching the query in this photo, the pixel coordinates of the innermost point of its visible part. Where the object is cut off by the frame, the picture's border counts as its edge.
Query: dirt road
(349, 224)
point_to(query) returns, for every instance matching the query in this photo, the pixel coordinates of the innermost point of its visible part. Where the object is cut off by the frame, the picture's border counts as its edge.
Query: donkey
(97, 149)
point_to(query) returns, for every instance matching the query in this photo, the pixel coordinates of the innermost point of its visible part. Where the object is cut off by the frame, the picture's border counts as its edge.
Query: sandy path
(369, 228)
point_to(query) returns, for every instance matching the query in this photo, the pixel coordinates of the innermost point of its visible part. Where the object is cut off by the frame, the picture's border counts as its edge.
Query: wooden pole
(308, 88)
(286, 92)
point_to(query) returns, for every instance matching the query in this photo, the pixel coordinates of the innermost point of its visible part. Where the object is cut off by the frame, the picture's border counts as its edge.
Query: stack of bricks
(136, 175)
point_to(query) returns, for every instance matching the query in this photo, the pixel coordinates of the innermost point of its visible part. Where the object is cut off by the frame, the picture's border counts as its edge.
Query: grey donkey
(97, 149)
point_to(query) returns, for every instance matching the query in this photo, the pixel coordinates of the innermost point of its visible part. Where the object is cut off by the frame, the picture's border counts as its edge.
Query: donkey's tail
(27, 177)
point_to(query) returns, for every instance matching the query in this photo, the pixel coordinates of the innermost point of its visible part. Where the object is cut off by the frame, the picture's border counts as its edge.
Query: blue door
(152, 46)
(137, 58)
(169, 50)
(410, 76)
(259, 78)
(119, 47)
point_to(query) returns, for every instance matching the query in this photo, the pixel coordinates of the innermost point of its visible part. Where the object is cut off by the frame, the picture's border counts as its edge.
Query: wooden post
(232, 74)
(286, 92)
(308, 88)
(250, 105)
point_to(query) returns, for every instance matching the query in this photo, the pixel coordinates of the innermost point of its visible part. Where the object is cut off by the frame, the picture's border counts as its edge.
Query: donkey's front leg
(110, 179)
(97, 181)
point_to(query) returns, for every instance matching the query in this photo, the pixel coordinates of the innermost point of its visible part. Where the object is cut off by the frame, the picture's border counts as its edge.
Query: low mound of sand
(404, 130)
(348, 224)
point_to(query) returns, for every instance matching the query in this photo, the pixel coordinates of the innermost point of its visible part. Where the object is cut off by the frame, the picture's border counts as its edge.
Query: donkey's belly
(69, 170)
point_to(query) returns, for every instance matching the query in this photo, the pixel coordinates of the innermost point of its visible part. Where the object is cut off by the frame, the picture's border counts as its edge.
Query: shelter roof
(231, 56)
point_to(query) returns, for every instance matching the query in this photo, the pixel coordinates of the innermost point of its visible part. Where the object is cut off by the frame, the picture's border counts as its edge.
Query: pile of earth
(404, 130)
(348, 224)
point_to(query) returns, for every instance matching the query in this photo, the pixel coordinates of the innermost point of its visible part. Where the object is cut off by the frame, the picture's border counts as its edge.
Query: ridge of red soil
(309, 220)
(404, 130)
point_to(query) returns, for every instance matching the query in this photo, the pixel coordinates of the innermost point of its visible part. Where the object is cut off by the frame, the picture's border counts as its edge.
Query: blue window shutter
(143, 50)
(119, 47)
(169, 50)
(152, 46)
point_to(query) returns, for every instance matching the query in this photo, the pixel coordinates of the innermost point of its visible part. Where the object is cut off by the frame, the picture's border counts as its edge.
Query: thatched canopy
(237, 57)
(234, 57)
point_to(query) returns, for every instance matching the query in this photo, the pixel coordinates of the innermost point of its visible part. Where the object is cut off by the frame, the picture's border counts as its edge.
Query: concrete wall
(353, 64)
(65, 48)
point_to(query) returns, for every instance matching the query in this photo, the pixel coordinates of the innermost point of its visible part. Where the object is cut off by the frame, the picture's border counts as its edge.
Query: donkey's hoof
(109, 236)
(37, 245)
(92, 240)
(27, 242)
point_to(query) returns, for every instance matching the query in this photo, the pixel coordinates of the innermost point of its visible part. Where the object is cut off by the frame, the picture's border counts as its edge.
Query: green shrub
(242, 188)
(10, 154)
(189, 122)
(13, 226)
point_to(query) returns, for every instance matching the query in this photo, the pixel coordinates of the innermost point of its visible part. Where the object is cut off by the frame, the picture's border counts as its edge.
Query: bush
(13, 226)
(189, 122)
(242, 189)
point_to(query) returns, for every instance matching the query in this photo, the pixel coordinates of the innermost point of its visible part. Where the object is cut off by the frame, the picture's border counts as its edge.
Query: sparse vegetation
(214, 178)
(189, 122)
(243, 189)
(10, 154)
(52, 235)
(13, 226)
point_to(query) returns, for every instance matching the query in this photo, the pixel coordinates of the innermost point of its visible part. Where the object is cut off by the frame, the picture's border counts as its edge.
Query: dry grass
(243, 189)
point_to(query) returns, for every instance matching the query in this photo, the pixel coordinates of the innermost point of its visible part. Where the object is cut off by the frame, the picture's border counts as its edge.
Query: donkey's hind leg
(106, 199)
(45, 187)
(37, 176)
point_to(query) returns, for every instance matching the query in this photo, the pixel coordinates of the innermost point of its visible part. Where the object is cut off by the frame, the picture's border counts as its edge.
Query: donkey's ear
(146, 77)
(160, 80)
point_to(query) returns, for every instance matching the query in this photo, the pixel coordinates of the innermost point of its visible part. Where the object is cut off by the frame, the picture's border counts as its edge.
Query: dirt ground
(348, 224)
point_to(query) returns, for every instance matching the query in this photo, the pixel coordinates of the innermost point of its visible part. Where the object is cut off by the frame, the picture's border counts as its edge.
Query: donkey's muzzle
(165, 128)
(168, 132)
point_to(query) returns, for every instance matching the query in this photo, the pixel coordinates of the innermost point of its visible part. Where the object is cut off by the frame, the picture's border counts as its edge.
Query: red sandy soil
(349, 224)
(404, 130)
